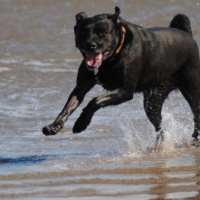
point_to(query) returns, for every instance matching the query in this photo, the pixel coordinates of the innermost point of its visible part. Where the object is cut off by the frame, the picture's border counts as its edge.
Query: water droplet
(35, 107)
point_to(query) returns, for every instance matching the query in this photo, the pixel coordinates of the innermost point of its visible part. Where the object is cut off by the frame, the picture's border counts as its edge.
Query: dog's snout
(93, 45)
(90, 46)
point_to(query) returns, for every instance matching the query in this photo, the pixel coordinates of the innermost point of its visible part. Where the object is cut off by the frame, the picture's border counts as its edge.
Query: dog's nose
(91, 45)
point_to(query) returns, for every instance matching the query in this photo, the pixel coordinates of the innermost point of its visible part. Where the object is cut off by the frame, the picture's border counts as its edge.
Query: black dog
(125, 59)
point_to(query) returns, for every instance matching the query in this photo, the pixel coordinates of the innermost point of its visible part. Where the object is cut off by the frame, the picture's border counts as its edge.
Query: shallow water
(38, 67)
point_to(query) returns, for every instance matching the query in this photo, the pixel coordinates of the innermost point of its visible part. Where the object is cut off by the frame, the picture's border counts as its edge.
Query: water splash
(140, 143)
(133, 138)
(177, 134)
(39, 121)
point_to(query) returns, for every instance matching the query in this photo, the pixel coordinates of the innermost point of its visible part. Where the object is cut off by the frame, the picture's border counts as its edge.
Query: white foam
(8, 61)
(3, 69)
(140, 143)
(37, 63)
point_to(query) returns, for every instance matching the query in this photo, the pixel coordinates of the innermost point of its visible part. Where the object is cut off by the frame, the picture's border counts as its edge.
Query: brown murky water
(38, 67)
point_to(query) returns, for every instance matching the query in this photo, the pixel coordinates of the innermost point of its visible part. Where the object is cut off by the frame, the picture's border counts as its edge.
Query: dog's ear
(79, 17)
(117, 9)
(115, 16)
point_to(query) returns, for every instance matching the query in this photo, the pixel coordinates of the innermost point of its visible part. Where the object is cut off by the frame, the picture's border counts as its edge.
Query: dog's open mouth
(94, 60)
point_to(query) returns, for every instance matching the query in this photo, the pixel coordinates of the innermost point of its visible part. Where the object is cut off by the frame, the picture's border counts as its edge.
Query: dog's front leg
(114, 97)
(73, 102)
(85, 81)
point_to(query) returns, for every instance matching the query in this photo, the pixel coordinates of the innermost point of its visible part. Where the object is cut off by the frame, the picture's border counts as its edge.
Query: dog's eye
(102, 33)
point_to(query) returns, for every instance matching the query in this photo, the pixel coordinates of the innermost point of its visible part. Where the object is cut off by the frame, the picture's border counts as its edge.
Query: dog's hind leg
(193, 98)
(153, 102)
(190, 88)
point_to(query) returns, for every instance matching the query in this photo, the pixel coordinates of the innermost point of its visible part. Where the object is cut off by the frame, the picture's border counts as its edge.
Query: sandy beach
(110, 160)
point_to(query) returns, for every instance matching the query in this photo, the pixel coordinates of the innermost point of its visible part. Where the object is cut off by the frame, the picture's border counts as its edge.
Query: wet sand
(110, 160)
(170, 179)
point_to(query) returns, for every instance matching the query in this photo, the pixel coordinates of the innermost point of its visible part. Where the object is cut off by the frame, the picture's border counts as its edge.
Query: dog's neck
(122, 40)
(121, 43)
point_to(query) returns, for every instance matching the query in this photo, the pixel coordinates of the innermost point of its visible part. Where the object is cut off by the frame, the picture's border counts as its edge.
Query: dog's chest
(109, 79)
(97, 81)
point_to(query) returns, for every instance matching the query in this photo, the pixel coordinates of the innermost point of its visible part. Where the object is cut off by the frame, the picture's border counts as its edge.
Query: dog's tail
(181, 22)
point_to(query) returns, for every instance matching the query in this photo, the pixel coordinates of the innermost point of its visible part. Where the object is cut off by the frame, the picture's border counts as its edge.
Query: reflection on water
(38, 67)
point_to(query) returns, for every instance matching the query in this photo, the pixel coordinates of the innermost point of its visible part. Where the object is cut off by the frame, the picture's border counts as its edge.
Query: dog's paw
(159, 140)
(51, 129)
(80, 126)
(82, 122)
(77, 128)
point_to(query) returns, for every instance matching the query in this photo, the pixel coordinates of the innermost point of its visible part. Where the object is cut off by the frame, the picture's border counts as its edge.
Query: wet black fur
(154, 61)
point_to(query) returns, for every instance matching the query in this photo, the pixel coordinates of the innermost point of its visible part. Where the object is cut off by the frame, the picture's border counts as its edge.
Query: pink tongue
(93, 59)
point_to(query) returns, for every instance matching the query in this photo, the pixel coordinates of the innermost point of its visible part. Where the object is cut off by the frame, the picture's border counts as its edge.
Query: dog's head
(97, 37)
